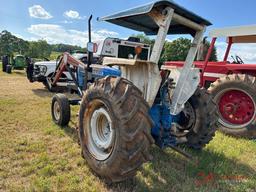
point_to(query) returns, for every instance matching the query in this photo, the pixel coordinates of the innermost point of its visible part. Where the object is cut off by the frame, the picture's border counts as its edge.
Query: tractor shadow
(19, 72)
(71, 131)
(42, 92)
(169, 171)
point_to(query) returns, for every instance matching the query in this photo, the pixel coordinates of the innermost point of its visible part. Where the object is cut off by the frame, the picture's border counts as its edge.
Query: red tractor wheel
(235, 96)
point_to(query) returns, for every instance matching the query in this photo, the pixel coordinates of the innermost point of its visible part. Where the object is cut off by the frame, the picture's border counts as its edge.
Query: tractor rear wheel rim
(190, 115)
(56, 110)
(187, 121)
(101, 135)
(236, 108)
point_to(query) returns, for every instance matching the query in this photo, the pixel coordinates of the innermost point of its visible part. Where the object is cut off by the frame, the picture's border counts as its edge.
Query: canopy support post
(163, 20)
(189, 77)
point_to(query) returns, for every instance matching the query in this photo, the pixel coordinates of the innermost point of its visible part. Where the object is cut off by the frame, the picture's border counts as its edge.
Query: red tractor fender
(215, 69)
(242, 68)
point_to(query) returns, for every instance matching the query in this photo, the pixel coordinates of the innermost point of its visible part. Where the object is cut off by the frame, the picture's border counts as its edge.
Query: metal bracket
(189, 78)
(80, 92)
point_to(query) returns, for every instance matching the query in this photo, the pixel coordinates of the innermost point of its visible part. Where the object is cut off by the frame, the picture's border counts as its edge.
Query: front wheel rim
(100, 134)
(56, 110)
(236, 108)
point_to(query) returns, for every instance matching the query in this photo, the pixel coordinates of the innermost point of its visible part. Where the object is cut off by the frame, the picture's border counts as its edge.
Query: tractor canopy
(160, 18)
(238, 34)
(140, 19)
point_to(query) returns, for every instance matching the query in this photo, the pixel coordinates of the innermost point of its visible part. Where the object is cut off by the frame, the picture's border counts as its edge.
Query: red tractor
(232, 83)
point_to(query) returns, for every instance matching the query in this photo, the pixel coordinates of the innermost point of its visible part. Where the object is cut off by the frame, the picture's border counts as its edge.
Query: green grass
(36, 155)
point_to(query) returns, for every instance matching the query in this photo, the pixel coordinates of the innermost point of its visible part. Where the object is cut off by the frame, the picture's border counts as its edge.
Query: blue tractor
(120, 117)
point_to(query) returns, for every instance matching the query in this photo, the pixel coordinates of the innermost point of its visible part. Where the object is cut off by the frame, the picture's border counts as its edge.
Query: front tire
(235, 96)
(114, 128)
(4, 66)
(4, 63)
(60, 109)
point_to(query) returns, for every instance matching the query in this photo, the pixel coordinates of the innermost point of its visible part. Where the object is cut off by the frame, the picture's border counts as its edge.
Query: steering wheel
(234, 60)
(239, 60)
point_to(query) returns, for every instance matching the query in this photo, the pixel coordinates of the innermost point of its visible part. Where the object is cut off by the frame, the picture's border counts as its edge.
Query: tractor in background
(19, 62)
(232, 83)
(120, 117)
(110, 47)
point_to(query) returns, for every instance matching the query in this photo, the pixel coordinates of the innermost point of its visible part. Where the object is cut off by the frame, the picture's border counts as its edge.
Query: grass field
(36, 155)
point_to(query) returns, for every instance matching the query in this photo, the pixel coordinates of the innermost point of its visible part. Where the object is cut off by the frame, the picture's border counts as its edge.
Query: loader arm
(66, 60)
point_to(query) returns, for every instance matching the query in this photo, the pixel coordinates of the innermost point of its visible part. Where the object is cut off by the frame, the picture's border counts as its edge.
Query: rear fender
(145, 75)
(241, 67)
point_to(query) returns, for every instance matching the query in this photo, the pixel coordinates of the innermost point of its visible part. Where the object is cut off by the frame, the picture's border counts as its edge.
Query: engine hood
(46, 63)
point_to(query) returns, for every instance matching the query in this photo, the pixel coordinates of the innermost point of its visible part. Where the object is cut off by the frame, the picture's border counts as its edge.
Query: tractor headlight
(130, 56)
(42, 69)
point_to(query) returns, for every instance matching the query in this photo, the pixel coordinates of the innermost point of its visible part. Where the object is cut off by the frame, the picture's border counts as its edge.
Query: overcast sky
(65, 21)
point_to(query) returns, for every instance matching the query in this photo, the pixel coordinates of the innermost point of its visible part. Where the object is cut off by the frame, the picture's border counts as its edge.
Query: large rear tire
(4, 66)
(4, 63)
(198, 120)
(8, 69)
(114, 128)
(235, 96)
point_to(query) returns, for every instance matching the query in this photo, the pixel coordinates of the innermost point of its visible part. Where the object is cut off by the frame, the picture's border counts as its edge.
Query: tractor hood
(138, 18)
(46, 63)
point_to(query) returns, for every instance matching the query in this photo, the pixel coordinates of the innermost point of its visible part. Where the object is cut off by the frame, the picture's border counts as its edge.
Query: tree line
(10, 44)
(176, 50)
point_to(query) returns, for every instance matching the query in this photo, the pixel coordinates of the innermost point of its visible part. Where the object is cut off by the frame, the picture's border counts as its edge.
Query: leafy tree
(39, 49)
(145, 39)
(67, 48)
(22, 46)
(213, 56)
(7, 43)
(176, 50)
(10, 44)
